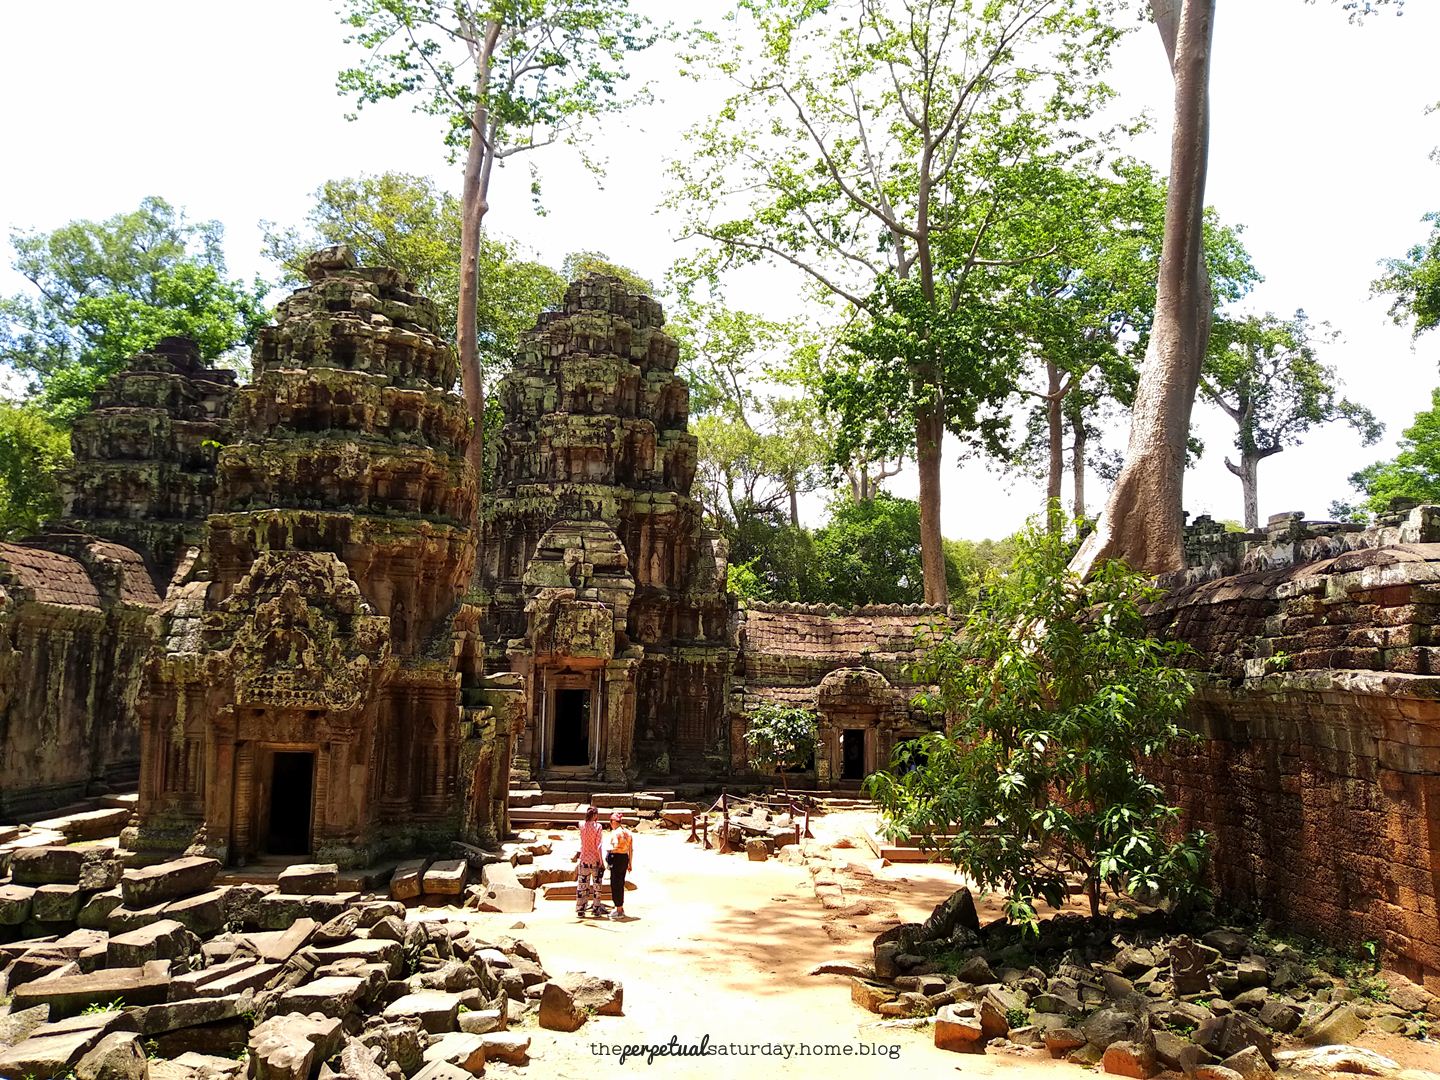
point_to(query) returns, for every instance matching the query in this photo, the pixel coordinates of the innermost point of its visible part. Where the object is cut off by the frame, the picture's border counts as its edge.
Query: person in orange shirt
(620, 859)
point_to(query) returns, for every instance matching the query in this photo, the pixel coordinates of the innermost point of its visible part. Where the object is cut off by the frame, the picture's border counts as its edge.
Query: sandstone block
(1136, 1059)
(163, 940)
(56, 903)
(756, 849)
(202, 914)
(222, 980)
(117, 1056)
(95, 911)
(568, 999)
(70, 994)
(291, 1046)
(15, 904)
(123, 918)
(148, 885)
(333, 996)
(367, 950)
(46, 1057)
(307, 879)
(192, 1012)
(511, 1047)
(459, 1049)
(435, 1009)
(481, 1021)
(445, 877)
(1332, 1025)
(958, 1029)
(406, 881)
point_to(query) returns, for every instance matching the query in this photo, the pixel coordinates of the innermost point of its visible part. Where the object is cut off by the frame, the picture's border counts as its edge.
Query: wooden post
(724, 823)
(692, 838)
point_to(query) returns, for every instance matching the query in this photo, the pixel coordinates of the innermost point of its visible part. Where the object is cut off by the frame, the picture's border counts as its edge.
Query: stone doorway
(571, 728)
(289, 802)
(852, 754)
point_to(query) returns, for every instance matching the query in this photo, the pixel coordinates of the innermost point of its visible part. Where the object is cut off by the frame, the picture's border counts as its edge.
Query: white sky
(1319, 147)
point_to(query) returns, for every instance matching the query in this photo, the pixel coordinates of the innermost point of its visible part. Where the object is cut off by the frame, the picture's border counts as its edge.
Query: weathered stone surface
(95, 912)
(333, 996)
(56, 903)
(869, 994)
(459, 1049)
(369, 950)
(117, 1056)
(445, 877)
(193, 1012)
(1135, 1059)
(163, 940)
(17, 1026)
(291, 1046)
(202, 914)
(15, 904)
(570, 998)
(231, 977)
(149, 885)
(435, 1009)
(481, 1021)
(1331, 1025)
(69, 994)
(305, 879)
(45, 1057)
(958, 1028)
(511, 1047)
(406, 883)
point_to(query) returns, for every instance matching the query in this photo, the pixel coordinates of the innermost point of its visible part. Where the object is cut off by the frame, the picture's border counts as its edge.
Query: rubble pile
(1132, 995)
(157, 971)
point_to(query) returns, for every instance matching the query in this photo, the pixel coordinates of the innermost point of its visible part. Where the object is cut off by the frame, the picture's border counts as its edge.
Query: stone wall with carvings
(1317, 768)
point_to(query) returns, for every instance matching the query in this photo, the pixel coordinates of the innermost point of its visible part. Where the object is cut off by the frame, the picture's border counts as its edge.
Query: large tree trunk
(1143, 520)
(474, 203)
(929, 430)
(1248, 471)
(1055, 432)
(1077, 462)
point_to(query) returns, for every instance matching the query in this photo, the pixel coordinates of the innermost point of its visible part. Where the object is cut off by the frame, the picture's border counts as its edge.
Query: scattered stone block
(1250, 1064)
(1061, 1041)
(70, 994)
(511, 1047)
(481, 1021)
(15, 904)
(441, 1070)
(123, 919)
(56, 903)
(46, 865)
(117, 1056)
(146, 886)
(17, 1026)
(333, 996)
(406, 881)
(307, 879)
(277, 946)
(192, 1012)
(202, 914)
(869, 994)
(291, 1046)
(446, 877)
(1333, 1025)
(222, 980)
(1135, 1059)
(47, 1057)
(368, 950)
(569, 999)
(958, 1029)
(95, 911)
(757, 849)
(459, 1049)
(163, 940)
(516, 901)
(435, 1009)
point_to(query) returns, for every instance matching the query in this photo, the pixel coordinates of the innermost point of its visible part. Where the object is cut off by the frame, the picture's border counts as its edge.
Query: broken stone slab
(1331, 1025)
(481, 1021)
(202, 914)
(277, 946)
(569, 999)
(1061, 1041)
(15, 904)
(1338, 1059)
(369, 950)
(46, 1057)
(222, 980)
(441, 1070)
(499, 876)
(192, 1012)
(18, 1026)
(511, 1047)
(95, 911)
(148, 885)
(163, 940)
(123, 919)
(516, 901)
(208, 1066)
(57, 865)
(1250, 1064)
(308, 879)
(406, 881)
(1231, 1033)
(56, 903)
(291, 1046)
(117, 1056)
(341, 928)
(71, 994)
(355, 1061)
(446, 877)
(435, 1009)
(459, 1049)
(958, 1029)
(335, 995)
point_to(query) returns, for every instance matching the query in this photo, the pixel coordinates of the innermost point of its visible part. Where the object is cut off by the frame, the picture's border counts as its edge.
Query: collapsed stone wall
(1317, 768)
(849, 665)
(76, 600)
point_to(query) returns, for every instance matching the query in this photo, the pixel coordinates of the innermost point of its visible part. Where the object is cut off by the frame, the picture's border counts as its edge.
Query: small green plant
(152, 1049)
(1279, 661)
(96, 1007)
(781, 737)
(1016, 1018)
(1183, 1028)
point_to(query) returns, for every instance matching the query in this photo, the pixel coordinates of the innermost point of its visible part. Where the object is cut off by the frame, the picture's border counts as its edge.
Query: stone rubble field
(109, 973)
(1135, 996)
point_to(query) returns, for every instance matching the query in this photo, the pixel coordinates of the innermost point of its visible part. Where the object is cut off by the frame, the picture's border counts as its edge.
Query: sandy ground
(717, 949)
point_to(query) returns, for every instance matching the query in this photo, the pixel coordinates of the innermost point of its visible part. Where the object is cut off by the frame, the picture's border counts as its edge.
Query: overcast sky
(1319, 147)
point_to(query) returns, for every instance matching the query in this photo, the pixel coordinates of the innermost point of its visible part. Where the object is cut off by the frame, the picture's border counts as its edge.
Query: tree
(1413, 473)
(869, 552)
(508, 77)
(890, 157)
(967, 564)
(106, 290)
(781, 737)
(33, 450)
(1414, 282)
(579, 263)
(1143, 519)
(403, 221)
(1055, 696)
(1264, 374)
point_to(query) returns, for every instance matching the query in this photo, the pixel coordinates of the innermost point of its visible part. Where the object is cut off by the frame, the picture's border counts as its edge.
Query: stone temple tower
(305, 699)
(598, 582)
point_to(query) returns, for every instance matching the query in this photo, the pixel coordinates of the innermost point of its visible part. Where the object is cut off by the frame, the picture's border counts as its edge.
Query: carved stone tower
(306, 698)
(599, 583)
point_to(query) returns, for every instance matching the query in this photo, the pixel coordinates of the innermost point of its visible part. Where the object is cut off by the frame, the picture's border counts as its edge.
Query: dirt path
(720, 947)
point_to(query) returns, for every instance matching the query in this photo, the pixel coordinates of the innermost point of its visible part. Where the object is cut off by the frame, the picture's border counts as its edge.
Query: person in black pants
(620, 859)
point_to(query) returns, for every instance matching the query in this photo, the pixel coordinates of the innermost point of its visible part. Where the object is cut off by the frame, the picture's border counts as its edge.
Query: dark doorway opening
(572, 728)
(292, 781)
(852, 755)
